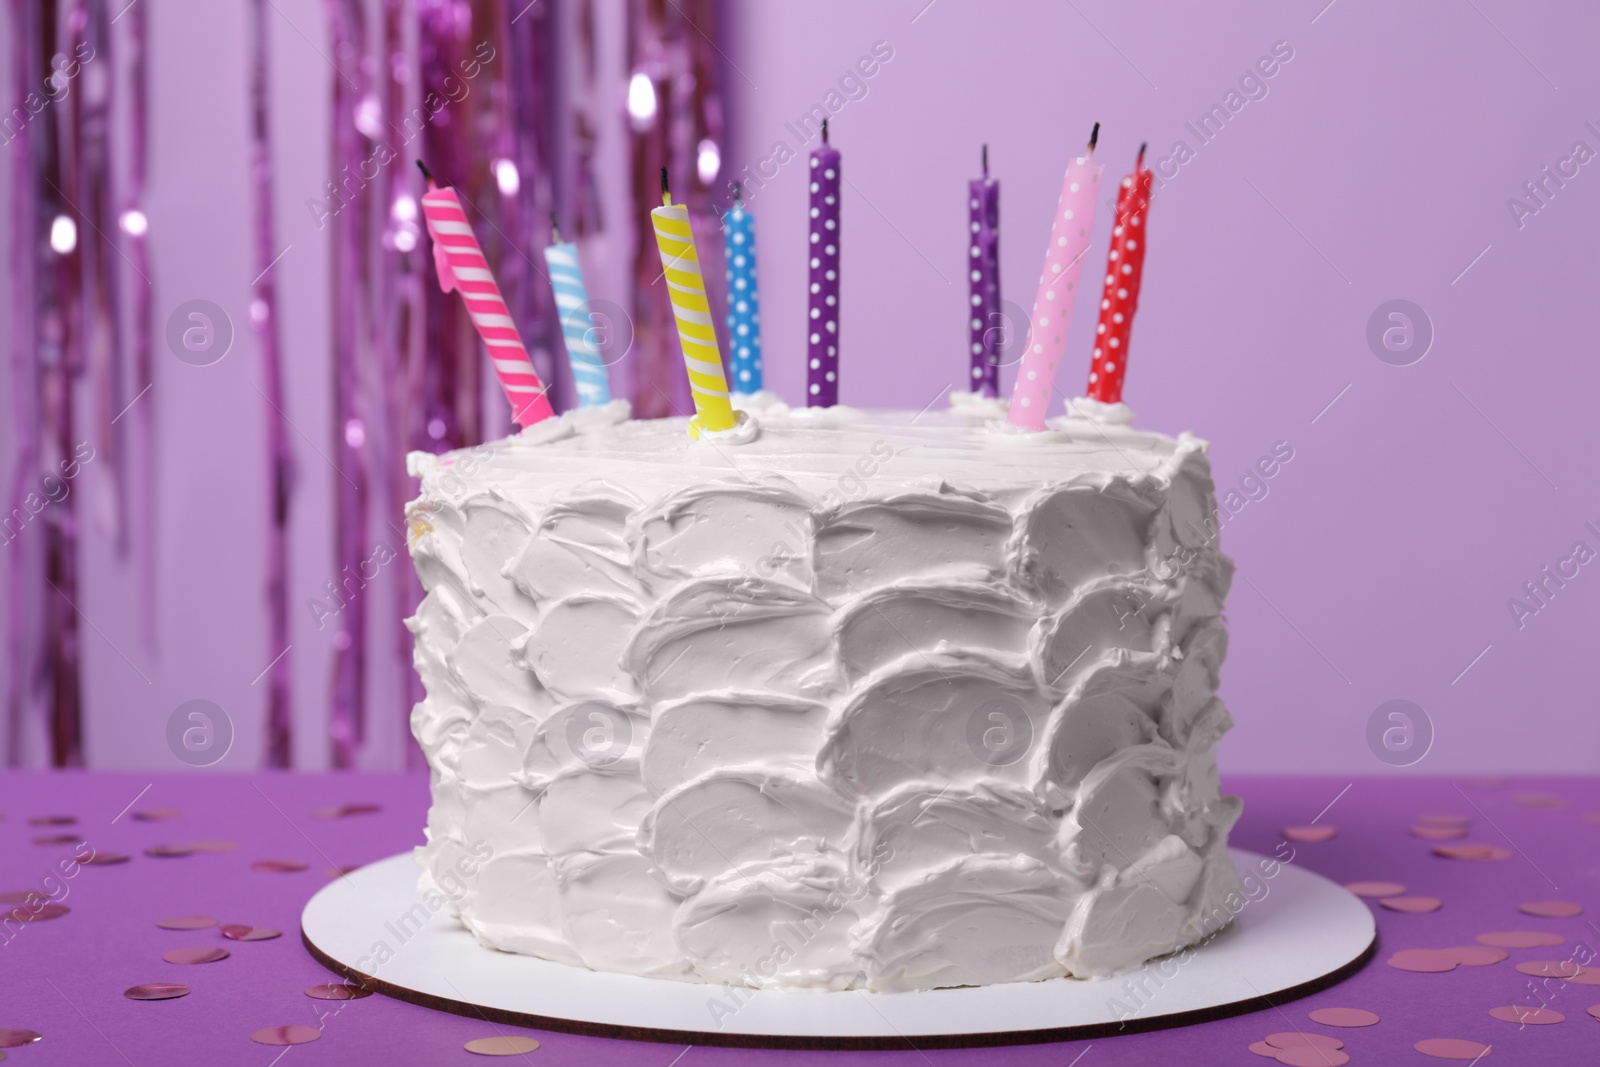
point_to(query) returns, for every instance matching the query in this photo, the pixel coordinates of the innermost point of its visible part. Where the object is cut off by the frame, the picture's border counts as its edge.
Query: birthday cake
(862, 700)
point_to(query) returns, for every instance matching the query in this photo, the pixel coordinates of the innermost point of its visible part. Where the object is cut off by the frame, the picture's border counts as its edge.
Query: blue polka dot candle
(577, 328)
(744, 307)
(822, 307)
(983, 274)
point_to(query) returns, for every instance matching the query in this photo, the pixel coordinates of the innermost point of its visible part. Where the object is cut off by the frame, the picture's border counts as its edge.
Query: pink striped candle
(1058, 285)
(461, 265)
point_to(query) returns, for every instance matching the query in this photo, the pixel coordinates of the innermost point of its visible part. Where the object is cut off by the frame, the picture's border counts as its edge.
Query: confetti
(1520, 939)
(279, 866)
(1451, 1048)
(1586, 976)
(1261, 1048)
(195, 955)
(1563, 969)
(58, 839)
(1594, 1010)
(1443, 820)
(1411, 904)
(1344, 1017)
(1312, 1056)
(1475, 955)
(1297, 1039)
(1438, 833)
(18, 896)
(342, 811)
(1527, 1015)
(212, 846)
(1591, 816)
(340, 872)
(53, 820)
(18, 1038)
(338, 991)
(244, 932)
(501, 1046)
(286, 1035)
(104, 859)
(156, 991)
(1309, 833)
(168, 851)
(1551, 909)
(35, 914)
(186, 922)
(1422, 961)
(1538, 800)
(1375, 890)
(1472, 852)
(157, 814)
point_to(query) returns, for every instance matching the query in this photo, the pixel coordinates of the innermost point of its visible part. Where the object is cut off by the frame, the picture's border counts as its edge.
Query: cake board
(1301, 934)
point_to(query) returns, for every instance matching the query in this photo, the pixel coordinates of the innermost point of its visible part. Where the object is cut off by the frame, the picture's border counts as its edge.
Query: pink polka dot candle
(1058, 286)
(1124, 272)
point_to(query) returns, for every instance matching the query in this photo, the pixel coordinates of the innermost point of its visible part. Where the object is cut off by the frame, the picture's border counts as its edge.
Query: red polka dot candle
(822, 304)
(983, 274)
(1124, 271)
(1058, 286)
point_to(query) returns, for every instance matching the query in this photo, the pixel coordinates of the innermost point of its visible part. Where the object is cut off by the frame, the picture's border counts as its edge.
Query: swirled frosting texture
(887, 702)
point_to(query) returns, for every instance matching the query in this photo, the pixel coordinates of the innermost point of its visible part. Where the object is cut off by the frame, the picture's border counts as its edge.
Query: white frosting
(884, 701)
(978, 406)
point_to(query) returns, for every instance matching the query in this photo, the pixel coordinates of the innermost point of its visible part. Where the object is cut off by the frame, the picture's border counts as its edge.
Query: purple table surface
(64, 978)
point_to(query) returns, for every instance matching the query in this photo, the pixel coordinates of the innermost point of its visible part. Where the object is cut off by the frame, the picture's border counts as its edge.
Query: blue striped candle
(744, 307)
(572, 306)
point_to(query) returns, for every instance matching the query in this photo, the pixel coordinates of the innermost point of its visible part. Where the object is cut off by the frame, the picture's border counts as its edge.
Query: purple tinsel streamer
(280, 472)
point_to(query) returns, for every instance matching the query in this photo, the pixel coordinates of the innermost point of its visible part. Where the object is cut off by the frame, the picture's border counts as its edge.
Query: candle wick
(738, 192)
(985, 161)
(426, 173)
(555, 228)
(1094, 137)
(666, 193)
(824, 131)
(1140, 161)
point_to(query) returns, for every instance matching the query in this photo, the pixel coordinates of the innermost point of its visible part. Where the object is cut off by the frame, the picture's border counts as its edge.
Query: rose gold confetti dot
(1422, 961)
(1551, 909)
(53, 820)
(340, 872)
(18, 896)
(1586, 976)
(1344, 1017)
(186, 922)
(104, 859)
(58, 839)
(1526, 1015)
(1438, 833)
(30, 913)
(501, 1046)
(211, 846)
(1433, 819)
(1538, 800)
(1299, 1039)
(338, 991)
(279, 866)
(1591, 816)
(344, 811)
(195, 955)
(1415, 905)
(243, 932)
(156, 991)
(1309, 833)
(1451, 1048)
(1549, 968)
(18, 1038)
(1520, 939)
(1261, 1048)
(168, 851)
(1475, 955)
(1312, 1056)
(1594, 1010)
(286, 1035)
(1375, 890)
(157, 814)
(1474, 851)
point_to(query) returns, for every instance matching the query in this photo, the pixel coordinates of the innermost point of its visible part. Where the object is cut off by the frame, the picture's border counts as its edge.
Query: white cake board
(1305, 934)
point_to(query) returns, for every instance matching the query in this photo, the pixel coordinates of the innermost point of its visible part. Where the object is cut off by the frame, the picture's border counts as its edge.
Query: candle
(983, 271)
(1124, 270)
(822, 325)
(1058, 285)
(744, 308)
(680, 265)
(461, 265)
(572, 307)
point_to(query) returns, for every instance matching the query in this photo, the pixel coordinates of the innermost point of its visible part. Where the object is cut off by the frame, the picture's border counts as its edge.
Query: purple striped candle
(822, 307)
(983, 272)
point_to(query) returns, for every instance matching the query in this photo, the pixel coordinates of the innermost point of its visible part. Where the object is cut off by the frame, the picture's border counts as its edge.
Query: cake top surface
(813, 448)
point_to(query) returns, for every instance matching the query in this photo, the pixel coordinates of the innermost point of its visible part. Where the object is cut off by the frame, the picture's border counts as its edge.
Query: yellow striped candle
(680, 265)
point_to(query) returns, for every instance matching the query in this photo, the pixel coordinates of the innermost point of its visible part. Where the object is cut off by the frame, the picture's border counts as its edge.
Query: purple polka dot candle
(983, 274)
(822, 306)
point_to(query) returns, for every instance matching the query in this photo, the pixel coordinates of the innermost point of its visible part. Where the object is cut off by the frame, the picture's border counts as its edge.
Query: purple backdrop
(1374, 164)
